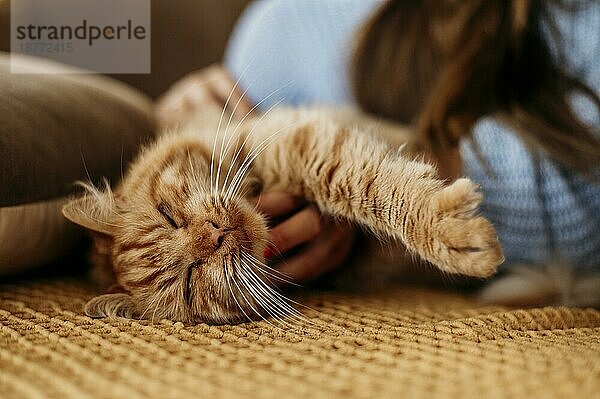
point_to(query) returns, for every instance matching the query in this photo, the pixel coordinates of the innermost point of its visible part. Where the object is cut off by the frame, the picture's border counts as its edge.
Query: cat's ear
(114, 305)
(92, 212)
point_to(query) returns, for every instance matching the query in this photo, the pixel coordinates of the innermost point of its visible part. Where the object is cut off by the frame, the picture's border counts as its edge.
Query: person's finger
(182, 100)
(199, 94)
(277, 203)
(168, 108)
(223, 88)
(321, 256)
(299, 228)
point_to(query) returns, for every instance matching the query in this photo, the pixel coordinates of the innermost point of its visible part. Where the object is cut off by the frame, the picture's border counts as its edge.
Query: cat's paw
(463, 242)
(110, 305)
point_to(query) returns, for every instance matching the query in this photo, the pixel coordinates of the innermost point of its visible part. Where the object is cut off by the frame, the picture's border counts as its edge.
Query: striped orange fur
(184, 242)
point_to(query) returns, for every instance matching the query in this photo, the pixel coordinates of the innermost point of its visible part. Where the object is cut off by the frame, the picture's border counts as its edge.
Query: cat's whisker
(223, 152)
(155, 309)
(251, 290)
(160, 298)
(240, 174)
(121, 165)
(265, 301)
(254, 154)
(257, 299)
(214, 185)
(271, 301)
(270, 275)
(217, 191)
(241, 121)
(233, 295)
(271, 244)
(264, 268)
(249, 134)
(148, 306)
(249, 302)
(286, 298)
(242, 146)
(277, 302)
(242, 193)
(153, 301)
(246, 164)
(279, 298)
(87, 172)
(283, 310)
(141, 317)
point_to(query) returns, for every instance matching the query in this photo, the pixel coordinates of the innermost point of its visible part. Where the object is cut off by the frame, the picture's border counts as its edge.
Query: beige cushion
(33, 235)
(56, 129)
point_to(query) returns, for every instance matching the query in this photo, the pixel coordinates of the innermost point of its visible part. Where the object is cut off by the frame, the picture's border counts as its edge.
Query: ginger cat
(184, 242)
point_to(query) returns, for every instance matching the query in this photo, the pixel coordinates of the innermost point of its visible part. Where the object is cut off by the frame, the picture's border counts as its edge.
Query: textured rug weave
(406, 342)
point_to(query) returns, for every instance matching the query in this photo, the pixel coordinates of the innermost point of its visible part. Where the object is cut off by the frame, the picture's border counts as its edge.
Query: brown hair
(441, 65)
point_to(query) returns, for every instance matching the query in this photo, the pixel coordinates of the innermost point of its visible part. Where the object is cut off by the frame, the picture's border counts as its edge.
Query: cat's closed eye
(165, 211)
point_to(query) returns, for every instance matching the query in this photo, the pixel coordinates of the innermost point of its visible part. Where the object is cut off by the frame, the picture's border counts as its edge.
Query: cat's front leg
(355, 176)
(404, 199)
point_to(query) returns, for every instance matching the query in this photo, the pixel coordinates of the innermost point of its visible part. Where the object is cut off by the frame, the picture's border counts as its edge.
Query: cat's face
(179, 249)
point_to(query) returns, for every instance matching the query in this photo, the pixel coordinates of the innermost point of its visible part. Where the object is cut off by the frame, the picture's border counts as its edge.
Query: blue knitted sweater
(299, 49)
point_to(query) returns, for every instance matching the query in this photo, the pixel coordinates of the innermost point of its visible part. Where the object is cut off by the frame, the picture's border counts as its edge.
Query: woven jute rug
(404, 342)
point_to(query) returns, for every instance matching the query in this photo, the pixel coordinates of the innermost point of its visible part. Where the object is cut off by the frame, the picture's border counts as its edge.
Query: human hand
(211, 86)
(327, 243)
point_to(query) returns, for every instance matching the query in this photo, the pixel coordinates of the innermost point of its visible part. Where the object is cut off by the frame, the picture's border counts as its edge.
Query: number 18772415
(45, 47)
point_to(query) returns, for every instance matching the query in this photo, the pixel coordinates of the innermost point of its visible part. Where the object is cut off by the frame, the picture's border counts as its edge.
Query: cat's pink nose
(216, 233)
